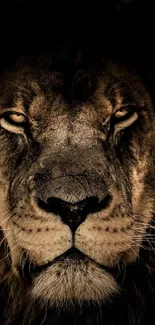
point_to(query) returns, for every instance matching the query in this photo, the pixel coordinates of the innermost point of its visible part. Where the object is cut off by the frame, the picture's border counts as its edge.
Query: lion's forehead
(92, 92)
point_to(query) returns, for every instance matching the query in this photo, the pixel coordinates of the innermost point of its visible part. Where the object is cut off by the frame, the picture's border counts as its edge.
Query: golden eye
(121, 112)
(13, 122)
(17, 118)
(124, 117)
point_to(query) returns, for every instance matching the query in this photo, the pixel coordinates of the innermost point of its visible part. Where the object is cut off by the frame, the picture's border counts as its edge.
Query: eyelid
(13, 121)
(17, 117)
(9, 127)
(14, 116)
(126, 108)
(126, 123)
(13, 109)
(121, 112)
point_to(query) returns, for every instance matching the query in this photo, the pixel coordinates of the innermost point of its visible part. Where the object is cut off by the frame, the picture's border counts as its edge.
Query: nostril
(84, 207)
(52, 205)
(94, 205)
(73, 214)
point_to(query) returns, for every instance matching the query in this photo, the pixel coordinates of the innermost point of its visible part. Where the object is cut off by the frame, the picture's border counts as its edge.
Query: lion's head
(76, 177)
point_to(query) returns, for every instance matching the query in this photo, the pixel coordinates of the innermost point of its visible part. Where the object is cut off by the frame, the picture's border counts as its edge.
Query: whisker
(9, 253)
(7, 219)
(19, 87)
(2, 211)
(5, 238)
(137, 241)
(22, 262)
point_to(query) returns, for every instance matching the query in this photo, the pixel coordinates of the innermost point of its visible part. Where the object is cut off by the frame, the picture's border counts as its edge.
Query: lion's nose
(72, 198)
(73, 214)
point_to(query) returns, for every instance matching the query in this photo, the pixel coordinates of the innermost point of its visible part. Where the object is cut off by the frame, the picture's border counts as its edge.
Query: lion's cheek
(105, 242)
(41, 246)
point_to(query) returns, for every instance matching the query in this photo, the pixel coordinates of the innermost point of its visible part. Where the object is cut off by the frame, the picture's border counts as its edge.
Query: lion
(77, 181)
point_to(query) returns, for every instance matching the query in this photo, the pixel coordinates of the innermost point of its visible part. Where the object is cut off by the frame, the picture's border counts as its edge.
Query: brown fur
(75, 144)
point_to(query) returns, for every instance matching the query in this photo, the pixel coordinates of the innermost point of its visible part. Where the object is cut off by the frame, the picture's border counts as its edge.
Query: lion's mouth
(28, 270)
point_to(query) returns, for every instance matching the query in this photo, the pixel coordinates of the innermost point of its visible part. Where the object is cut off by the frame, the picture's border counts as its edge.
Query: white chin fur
(65, 281)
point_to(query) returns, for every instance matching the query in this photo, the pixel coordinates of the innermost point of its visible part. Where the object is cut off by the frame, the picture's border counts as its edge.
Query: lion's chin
(78, 281)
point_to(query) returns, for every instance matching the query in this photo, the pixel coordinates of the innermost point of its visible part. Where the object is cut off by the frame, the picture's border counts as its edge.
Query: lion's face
(76, 175)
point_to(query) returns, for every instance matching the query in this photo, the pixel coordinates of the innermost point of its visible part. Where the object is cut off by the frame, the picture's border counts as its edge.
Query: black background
(123, 28)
